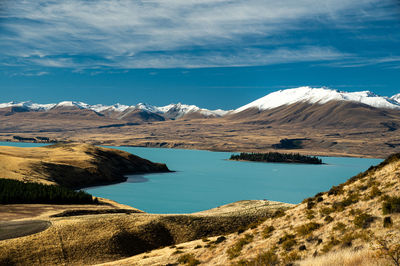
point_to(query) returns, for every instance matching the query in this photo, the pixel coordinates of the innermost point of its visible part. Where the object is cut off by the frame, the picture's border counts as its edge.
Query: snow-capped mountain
(120, 111)
(320, 96)
(396, 98)
(175, 111)
(28, 105)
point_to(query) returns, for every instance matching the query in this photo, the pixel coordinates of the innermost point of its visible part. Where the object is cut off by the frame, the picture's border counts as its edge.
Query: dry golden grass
(106, 237)
(71, 165)
(346, 257)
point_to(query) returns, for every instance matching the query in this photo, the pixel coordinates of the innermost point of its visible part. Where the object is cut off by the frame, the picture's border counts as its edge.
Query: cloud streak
(172, 33)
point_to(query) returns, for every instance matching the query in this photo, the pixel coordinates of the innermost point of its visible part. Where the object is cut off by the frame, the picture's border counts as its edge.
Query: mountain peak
(318, 95)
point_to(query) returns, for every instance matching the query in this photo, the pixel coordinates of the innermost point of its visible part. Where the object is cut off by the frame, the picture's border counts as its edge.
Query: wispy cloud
(172, 33)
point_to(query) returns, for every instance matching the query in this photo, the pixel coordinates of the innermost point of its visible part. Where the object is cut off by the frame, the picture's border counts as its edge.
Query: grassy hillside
(88, 239)
(355, 223)
(72, 165)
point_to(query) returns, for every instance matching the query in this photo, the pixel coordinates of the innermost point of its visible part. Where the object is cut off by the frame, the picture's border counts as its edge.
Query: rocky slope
(72, 165)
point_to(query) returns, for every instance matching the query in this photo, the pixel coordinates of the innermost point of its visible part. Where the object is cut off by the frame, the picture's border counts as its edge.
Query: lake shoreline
(199, 148)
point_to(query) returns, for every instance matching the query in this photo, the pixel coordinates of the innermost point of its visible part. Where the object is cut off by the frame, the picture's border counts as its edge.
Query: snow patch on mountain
(396, 98)
(320, 96)
(28, 105)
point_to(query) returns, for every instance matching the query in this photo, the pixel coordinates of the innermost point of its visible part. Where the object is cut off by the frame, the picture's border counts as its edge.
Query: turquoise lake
(205, 180)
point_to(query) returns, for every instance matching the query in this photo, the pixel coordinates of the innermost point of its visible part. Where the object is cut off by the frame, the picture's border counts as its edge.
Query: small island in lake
(276, 157)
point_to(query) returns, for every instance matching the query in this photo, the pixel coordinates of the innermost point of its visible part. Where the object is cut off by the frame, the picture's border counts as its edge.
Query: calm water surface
(205, 179)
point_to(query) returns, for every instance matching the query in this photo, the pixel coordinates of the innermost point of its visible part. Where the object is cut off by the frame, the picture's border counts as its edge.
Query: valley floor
(220, 135)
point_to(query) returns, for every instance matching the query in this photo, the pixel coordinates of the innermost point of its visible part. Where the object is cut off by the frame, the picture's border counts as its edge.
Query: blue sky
(212, 53)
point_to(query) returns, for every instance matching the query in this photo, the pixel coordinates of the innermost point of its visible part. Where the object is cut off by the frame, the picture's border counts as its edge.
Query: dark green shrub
(335, 190)
(278, 213)
(310, 214)
(363, 220)
(391, 205)
(340, 227)
(220, 239)
(267, 232)
(328, 219)
(374, 192)
(330, 244)
(305, 229)
(287, 241)
(326, 211)
(387, 222)
(288, 244)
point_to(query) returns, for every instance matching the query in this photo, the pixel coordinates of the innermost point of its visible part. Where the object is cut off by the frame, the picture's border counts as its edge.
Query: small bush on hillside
(363, 220)
(188, 259)
(355, 212)
(340, 227)
(220, 239)
(347, 239)
(310, 214)
(391, 205)
(326, 211)
(310, 204)
(287, 241)
(234, 251)
(330, 244)
(288, 244)
(328, 219)
(267, 232)
(291, 257)
(305, 229)
(335, 190)
(374, 192)
(387, 222)
(278, 213)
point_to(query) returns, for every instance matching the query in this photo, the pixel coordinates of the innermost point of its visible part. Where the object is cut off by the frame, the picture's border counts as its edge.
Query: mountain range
(146, 112)
(310, 120)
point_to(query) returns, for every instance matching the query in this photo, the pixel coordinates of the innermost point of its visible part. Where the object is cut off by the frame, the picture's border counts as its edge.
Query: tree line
(276, 157)
(14, 191)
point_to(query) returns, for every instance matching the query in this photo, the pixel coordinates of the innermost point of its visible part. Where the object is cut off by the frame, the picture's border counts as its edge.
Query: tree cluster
(277, 157)
(14, 191)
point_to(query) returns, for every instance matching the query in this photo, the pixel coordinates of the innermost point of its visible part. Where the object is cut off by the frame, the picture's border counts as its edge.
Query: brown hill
(332, 114)
(72, 165)
(139, 116)
(88, 239)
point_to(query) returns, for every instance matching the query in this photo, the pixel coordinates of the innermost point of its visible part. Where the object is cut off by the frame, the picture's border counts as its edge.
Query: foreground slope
(72, 165)
(347, 220)
(95, 238)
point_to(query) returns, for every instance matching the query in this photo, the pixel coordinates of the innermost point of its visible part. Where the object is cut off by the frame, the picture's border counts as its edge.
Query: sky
(211, 53)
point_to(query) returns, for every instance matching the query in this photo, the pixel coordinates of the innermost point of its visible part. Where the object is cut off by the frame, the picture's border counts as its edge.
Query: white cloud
(167, 33)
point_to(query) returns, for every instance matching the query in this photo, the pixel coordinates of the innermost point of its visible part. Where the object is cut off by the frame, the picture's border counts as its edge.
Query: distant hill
(72, 165)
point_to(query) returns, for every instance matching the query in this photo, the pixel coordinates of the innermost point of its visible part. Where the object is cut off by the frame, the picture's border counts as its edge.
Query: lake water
(205, 179)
